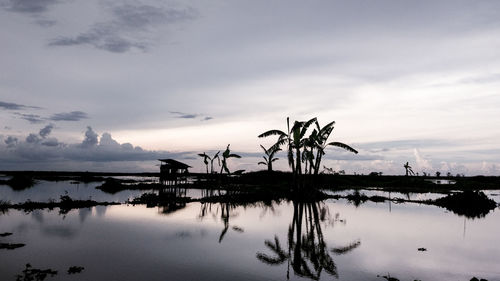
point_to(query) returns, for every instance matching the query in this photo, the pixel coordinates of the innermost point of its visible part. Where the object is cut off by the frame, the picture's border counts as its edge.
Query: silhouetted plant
(212, 159)
(321, 142)
(296, 141)
(408, 169)
(269, 158)
(205, 159)
(283, 138)
(226, 155)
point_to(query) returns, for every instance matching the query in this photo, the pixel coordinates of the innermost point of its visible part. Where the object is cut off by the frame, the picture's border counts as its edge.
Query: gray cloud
(28, 6)
(49, 151)
(129, 28)
(90, 138)
(69, 116)
(32, 138)
(51, 142)
(15, 106)
(45, 131)
(184, 115)
(32, 118)
(11, 141)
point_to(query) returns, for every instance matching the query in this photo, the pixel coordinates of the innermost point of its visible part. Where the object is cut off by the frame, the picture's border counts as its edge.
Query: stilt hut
(172, 170)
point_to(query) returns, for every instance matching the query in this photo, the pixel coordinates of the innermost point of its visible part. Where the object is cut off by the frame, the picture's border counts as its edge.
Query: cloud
(32, 118)
(11, 141)
(69, 116)
(39, 153)
(184, 115)
(15, 106)
(90, 138)
(28, 6)
(45, 131)
(32, 138)
(129, 28)
(422, 163)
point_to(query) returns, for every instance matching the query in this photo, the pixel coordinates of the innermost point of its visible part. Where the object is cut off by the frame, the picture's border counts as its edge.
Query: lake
(283, 240)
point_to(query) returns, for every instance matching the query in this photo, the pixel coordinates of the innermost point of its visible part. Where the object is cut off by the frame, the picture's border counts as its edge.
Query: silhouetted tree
(283, 138)
(226, 155)
(205, 159)
(408, 169)
(269, 158)
(321, 142)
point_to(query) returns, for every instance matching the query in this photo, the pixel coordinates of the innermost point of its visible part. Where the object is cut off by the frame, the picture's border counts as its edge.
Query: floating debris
(422, 249)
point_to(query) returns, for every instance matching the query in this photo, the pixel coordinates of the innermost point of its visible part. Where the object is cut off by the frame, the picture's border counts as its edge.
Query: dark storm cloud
(129, 25)
(15, 106)
(32, 118)
(69, 116)
(28, 6)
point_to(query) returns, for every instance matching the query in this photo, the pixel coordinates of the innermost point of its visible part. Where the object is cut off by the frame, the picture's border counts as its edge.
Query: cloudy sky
(107, 85)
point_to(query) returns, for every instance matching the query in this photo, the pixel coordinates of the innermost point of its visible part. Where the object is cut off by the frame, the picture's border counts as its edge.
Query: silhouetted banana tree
(307, 252)
(299, 130)
(321, 142)
(293, 138)
(212, 159)
(408, 169)
(283, 138)
(226, 155)
(269, 158)
(216, 156)
(205, 159)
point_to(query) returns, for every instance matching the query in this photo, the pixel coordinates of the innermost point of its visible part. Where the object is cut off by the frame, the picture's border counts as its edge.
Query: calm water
(327, 240)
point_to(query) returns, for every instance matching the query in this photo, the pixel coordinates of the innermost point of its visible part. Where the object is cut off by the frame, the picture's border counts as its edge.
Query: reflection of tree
(225, 210)
(307, 252)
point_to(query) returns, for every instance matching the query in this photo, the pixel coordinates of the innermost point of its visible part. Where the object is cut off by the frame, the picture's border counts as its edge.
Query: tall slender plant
(269, 158)
(205, 159)
(226, 155)
(321, 142)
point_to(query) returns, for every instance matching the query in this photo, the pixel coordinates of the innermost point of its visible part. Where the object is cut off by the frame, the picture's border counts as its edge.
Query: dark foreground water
(327, 241)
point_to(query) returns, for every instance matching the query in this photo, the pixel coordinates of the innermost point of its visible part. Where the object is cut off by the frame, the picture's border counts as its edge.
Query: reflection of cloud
(128, 27)
(61, 231)
(69, 116)
(100, 210)
(83, 213)
(37, 215)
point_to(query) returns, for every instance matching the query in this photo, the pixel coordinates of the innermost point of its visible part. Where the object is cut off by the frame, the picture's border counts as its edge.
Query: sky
(100, 85)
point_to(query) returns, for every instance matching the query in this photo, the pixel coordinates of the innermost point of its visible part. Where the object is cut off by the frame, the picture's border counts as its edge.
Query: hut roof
(174, 164)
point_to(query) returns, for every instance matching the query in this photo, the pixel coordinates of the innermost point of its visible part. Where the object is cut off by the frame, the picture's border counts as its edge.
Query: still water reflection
(274, 241)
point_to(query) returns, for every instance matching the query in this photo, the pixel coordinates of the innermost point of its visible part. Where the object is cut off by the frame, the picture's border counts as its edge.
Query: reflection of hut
(172, 170)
